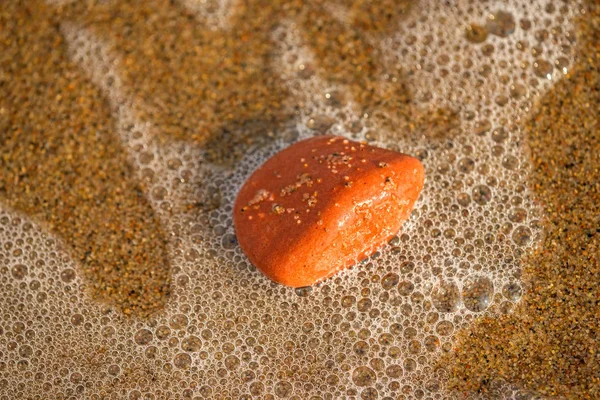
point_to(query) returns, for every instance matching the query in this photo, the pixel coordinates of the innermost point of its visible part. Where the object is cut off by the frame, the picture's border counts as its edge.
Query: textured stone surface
(321, 205)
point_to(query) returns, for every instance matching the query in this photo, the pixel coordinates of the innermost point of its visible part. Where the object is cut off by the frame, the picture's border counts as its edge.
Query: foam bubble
(371, 331)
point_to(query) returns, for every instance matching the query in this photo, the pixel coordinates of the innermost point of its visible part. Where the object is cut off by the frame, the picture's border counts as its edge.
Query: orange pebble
(321, 204)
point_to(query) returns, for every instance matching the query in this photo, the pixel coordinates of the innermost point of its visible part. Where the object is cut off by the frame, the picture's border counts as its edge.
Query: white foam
(256, 336)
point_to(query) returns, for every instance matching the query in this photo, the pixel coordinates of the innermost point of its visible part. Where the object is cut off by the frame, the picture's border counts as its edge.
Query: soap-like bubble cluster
(373, 331)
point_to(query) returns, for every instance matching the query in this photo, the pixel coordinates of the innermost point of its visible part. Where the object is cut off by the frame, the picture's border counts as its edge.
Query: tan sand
(550, 344)
(61, 162)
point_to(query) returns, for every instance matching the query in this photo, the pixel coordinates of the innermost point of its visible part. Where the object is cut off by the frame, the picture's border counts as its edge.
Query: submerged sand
(51, 116)
(550, 344)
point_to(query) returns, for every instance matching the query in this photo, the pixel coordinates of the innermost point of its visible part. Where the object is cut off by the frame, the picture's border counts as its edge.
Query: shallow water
(370, 332)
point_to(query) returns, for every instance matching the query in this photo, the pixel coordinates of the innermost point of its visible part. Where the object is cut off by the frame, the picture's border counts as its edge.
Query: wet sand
(550, 343)
(547, 345)
(62, 164)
